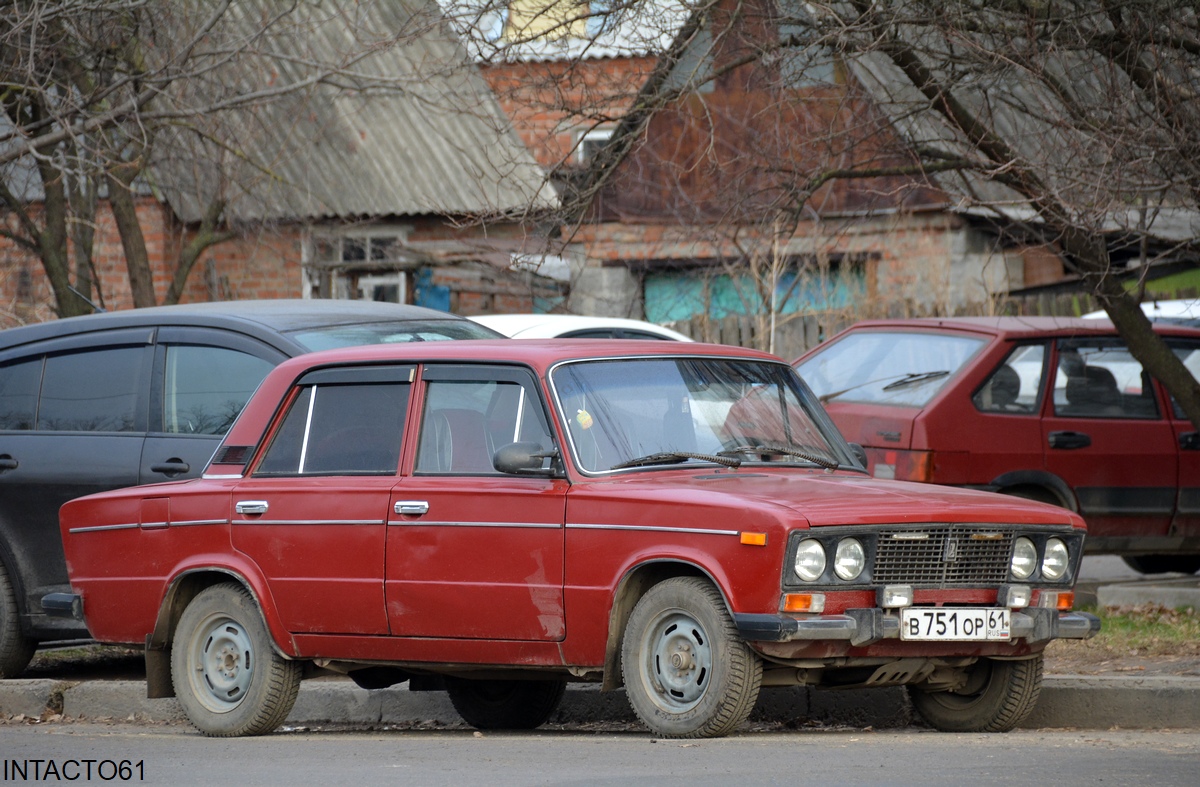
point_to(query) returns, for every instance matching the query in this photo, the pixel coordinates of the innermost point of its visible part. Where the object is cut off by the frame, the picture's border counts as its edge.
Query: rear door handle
(411, 507)
(1069, 440)
(7, 463)
(251, 507)
(1188, 441)
(171, 468)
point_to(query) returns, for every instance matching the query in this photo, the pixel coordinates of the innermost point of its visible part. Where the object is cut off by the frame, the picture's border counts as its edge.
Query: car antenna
(87, 300)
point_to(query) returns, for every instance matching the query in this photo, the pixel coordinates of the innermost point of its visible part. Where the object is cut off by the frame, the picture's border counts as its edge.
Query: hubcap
(220, 658)
(678, 661)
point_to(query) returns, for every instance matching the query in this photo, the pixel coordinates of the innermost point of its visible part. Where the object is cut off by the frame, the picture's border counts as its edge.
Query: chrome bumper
(865, 626)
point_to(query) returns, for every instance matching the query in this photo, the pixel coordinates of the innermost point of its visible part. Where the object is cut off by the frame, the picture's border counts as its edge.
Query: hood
(838, 498)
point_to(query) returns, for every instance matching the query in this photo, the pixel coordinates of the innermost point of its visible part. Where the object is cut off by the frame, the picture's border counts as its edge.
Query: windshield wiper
(915, 377)
(674, 457)
(815, 457)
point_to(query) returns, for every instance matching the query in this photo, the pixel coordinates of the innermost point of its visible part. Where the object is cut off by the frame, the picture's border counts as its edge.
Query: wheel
(998, 696)
(228, 677)
(16, 650)
(1034, 493)
(1161, 564)
(687, 672)
(505, 704)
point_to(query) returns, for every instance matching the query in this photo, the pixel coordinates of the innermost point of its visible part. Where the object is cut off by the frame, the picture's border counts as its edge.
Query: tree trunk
(137, 261)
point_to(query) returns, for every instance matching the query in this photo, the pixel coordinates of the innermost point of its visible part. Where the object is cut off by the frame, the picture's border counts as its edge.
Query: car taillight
(904, 465)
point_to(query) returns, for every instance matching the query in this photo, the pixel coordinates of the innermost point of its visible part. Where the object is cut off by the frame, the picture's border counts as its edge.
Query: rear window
(393, 332)
(892, 367)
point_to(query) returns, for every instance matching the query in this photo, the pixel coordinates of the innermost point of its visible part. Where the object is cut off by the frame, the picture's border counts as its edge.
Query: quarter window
(1016, 383)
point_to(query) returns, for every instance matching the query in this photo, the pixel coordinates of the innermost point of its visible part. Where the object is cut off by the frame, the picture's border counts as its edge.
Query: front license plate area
(954, 624)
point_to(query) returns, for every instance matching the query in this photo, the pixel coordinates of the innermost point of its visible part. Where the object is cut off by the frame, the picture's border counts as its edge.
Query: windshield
(388, 332)
(630, 413)
(887, 367)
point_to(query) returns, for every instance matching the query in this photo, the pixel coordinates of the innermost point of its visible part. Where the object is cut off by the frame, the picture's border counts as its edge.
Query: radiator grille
(943, 555)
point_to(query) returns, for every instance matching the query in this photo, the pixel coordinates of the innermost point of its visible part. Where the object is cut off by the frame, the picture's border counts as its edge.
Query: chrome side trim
(196, 522)
(308, 522)
(222, 476)
(97, 528)
(426, 523)
(655, 529)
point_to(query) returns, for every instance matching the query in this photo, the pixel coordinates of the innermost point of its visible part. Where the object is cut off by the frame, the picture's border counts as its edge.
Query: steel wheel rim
(220, 661)
(677, 666)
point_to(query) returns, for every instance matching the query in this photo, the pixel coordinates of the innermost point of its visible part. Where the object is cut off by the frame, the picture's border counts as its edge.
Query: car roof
(1016, 327)
(528, 326)
(538, 353)
(260, 318)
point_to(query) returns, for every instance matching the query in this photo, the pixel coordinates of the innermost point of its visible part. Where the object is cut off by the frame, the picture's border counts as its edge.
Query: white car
(1184, 312)
(554, 326)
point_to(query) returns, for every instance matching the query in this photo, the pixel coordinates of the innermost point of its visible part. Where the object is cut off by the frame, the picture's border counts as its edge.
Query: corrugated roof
(409, 129)
(613, 29)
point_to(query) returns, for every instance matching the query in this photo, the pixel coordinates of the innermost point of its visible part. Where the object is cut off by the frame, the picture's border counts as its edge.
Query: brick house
(685, 222)
(375, 195)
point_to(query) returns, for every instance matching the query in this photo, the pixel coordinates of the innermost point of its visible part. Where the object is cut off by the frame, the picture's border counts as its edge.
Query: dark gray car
(134, 397)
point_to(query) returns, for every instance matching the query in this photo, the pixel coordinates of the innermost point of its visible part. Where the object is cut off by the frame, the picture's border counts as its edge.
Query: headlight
(810, 560)
(1056, 559)
(1024, 559)
(849, 559)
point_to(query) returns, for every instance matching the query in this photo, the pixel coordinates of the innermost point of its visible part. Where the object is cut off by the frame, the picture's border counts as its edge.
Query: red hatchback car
(1046, 408)
(497, 518)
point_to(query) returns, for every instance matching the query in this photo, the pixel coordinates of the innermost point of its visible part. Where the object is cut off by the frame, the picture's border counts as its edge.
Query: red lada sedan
(1047, 408)
(495, 519)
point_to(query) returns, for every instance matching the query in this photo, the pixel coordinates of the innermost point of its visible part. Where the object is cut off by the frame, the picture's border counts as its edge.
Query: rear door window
(19, 383)
(342, 424)
(205, 388)
(1101, 379)
(94, 391)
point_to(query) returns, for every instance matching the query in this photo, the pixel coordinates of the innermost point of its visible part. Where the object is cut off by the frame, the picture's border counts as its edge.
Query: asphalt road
(173, 755)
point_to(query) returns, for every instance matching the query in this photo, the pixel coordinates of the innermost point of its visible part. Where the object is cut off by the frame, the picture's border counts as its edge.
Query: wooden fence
(795, 334)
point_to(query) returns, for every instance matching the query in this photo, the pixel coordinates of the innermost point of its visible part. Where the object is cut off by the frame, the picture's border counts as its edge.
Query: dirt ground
(1099, 657)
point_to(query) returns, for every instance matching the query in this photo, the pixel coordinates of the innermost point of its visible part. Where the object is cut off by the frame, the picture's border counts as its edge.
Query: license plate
(954, 624)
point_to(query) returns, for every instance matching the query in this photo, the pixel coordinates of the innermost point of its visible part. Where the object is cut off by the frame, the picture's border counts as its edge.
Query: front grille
(938, 556)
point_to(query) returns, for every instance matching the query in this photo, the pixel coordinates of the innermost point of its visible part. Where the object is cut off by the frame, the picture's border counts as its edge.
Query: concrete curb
(1067, 701)
(1169, 593)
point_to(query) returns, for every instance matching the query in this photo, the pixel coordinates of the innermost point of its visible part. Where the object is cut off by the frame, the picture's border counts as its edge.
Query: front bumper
(866, 626)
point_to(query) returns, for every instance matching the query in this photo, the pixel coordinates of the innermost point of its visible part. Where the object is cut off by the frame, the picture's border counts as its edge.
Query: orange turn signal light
(754, 539)
(1066, 600)
(804, 602)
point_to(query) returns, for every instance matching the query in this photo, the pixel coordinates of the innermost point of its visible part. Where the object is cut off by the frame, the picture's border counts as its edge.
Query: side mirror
(525, 459)
(860, 454)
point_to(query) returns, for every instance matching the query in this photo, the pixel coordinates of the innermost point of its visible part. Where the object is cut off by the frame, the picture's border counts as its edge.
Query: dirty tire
(16, 650)
(227, 675)
(505, 704)
(687, 672)
(1161, 564)
(999, 695)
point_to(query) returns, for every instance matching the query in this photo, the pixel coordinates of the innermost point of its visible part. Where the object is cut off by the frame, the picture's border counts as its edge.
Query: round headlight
(1056, 559)
(849, 559)
(1024, 558)
(810, 560)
